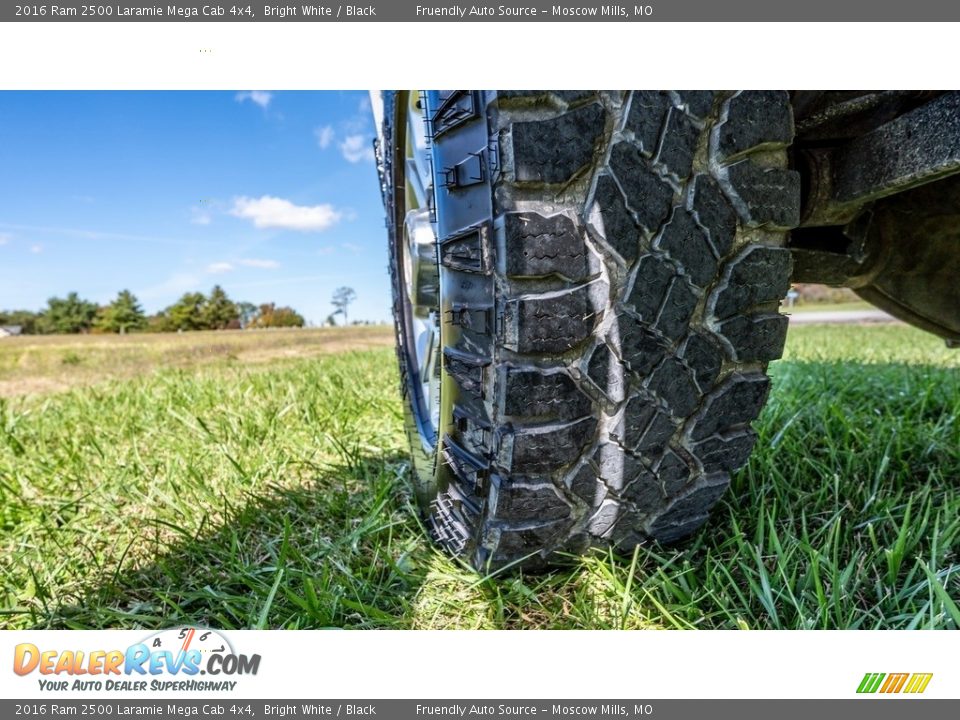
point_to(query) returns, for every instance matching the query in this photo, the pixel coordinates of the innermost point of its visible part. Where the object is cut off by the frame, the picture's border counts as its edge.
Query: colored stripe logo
(913, 683)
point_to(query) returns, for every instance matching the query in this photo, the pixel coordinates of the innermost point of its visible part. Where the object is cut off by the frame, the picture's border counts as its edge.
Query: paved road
(814, 317)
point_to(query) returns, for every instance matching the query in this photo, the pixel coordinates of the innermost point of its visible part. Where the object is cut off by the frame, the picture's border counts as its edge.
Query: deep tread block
(647, 194)
(538, 246)
(553, 323)
(653, 279)
(690, 511)
(758, 276)
(677, 309)
(705, 358)
(605, 371)
(544, 448)
(644, 491)
(755, 118)
(756, 337)
(510, 544)
(660, 429)
(553, 151)
(679, 144)
(673, 473)
(737, 402)
(646, 425)
(714, 213)
(535, 394)
(768, 196)
(619, 230)
(686, 242)
(641, 349)
(728, 452)
(648, 110)
(521, 502)
(674, 382)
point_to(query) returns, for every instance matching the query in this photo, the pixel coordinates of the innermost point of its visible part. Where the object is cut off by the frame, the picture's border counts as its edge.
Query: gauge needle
(186, 642)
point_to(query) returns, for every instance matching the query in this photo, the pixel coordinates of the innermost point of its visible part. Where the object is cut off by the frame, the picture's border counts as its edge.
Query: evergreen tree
(122, 315)
(187, 312)
(219, 311)
(71, 314)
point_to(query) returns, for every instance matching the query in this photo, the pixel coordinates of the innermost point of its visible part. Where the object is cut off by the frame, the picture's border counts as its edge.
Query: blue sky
(272, 195)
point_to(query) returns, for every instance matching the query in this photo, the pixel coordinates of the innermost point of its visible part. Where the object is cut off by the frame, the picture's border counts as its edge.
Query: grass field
(829, 307)
(48, 363)
(265, 486)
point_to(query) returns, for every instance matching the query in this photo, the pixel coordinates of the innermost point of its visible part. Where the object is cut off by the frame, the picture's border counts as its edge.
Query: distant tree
(122, 315)
(246, 312)
(271, 316)
(71, 314)
(331, 319)
(342, 297)
(186, 313)
(26, 319)
(219, 311)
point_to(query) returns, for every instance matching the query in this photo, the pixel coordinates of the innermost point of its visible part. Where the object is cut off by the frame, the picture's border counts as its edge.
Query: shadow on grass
(336, 552)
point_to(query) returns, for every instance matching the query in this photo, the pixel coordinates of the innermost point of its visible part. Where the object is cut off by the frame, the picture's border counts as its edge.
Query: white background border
(310, 55)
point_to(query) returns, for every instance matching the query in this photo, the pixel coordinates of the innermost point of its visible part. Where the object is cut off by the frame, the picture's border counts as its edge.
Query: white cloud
(274, 212)
(218, 268)
(258, 263)
(36, 249)
(357, 148)
(324, 136)
(352, 247)
(258, 97)
(326, 250)
(5, 238)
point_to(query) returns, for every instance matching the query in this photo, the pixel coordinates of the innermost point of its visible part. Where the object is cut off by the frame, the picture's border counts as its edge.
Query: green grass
(275, 495)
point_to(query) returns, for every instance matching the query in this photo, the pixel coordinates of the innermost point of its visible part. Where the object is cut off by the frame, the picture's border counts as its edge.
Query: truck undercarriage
(881, 200)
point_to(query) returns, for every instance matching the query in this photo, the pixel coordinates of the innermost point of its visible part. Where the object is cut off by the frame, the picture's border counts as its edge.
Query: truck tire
(610, 270)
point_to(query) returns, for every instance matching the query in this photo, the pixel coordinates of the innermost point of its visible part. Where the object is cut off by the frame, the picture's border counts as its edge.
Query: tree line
(193, 311)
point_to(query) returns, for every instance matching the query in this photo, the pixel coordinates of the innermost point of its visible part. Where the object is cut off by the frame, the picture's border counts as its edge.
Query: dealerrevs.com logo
(891, 683)
(169, 660)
